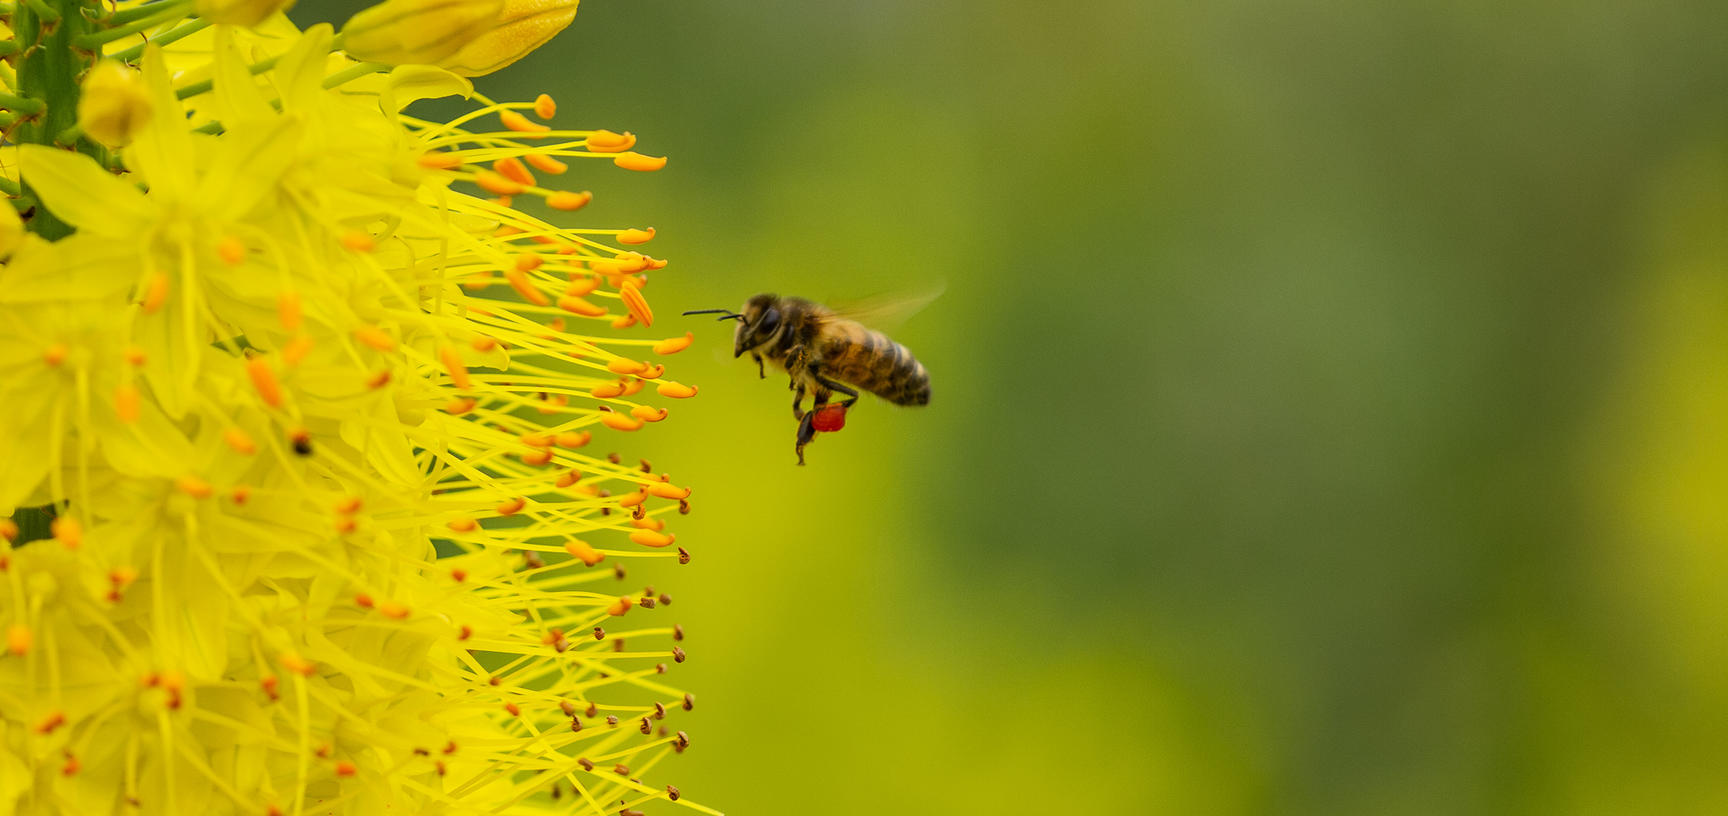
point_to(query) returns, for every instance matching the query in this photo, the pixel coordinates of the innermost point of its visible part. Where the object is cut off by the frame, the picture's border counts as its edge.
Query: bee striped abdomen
(869, 360)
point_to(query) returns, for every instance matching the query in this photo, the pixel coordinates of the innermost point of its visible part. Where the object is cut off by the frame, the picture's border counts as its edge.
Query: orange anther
(528, 262)
(440, 161)
(605, 141)
(519, 123)
(636, 161)
(231, 250)
(519, 281)
(484, 343)
(566, 201)
(513, 169)
(636, 236)
(458, 407)
(297, 349)
(619, 607)
(462, 525)
(648, 414)
(581, 286)
(346, 524)
(364, 601)
(573, 439)
(376, 338)
(452, 360)
(239, 441)
(511, 507)
(155, 292)
(497, 184)
(624, 366)
(195, 487)
(633, 499)
(576, 305)
(547, 164)
(127, 402)
(633, 300)
(648, 524)
(567, 478)
(668, 491)
(67, 531)
(513, 709)
(288, 310)
(583, 552)
(652, 538)
(536, 439)
(18, 638)
(538, 457)
(345, 768)
(135, 356)
(8, 531)
(240, 494)
(673, 345)
(393, 609)
(264, 380)
(56, 354)
(358, 240)
(652, 372)
(379, 380)
(630, 262)
(545, 107)
(49, 723)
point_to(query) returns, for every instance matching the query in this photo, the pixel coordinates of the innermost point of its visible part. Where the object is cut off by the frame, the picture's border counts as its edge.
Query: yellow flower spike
(652, 538)
(545, 107)
(155, 292)
(521, 27)
(113, 104)
(239, 12)
(676, 390)
(567, 201)
(632, 160)
(673, 345)
(264, 381)
(636, 236)
(67, 531)
(18, 638)
(401, 32)
(605, 141)
(375, 337)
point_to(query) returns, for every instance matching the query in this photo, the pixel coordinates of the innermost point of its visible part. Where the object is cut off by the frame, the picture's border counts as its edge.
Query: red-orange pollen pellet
(462, 525)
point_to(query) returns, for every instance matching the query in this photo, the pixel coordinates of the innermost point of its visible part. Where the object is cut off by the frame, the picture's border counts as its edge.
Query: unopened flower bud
(239, 12)
(114, 105)
(521, 27)
(402, 32)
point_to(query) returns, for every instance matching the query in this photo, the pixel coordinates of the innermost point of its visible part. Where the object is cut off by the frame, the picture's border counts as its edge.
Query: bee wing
(887, 311)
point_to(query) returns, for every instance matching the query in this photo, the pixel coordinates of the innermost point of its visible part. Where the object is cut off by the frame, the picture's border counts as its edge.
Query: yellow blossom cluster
(313, 409)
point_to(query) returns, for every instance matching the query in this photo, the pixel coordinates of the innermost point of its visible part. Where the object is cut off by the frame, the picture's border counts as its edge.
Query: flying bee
(824, 352)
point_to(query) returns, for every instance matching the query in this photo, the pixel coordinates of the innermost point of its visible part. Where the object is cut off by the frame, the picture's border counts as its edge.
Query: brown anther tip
(422, 751)
(459, 575)
(591, 711)
(450, 747)
(672, 793)
(647, 468)
(438, 765)
(684, 507)
(495, 680)
(689, 701)
(575, 724)
(621, 769)
(612, 720)
(302, 442)
(599, 634)
(677, 630)
(677, 654)
(614, 458)
(683, 556)
(514, 709)
(646, 603)
(567, 707)
(659, 668)
(586, 765)
(466, 633)
(363, 600)
(322, 751)
(345, 768)
(618, 645)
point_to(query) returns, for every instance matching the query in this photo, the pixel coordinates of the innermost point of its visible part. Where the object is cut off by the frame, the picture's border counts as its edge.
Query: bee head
(757, 323)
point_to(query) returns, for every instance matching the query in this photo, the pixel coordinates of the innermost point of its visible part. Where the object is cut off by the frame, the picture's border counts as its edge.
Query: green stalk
(48, 74)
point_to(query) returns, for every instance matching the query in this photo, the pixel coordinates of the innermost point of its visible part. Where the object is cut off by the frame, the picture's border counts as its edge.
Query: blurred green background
(1330, 414)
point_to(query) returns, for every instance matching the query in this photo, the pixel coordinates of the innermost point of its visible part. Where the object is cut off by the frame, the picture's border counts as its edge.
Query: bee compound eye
(770, 321)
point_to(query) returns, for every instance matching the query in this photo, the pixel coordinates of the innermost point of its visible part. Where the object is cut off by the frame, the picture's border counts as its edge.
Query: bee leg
(797, 411)
(806, 432)
(760, 374)
(834, 386)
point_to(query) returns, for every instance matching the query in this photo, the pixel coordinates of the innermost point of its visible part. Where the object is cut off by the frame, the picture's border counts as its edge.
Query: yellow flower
(113, 105)
(313, 404)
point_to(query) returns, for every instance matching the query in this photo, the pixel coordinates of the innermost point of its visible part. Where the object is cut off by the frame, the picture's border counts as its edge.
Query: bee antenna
(729, 314)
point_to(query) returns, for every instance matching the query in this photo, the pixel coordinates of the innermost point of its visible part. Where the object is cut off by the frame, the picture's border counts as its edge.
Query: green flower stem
(96, 39)
(43, 11)
(22, 105)
(10, 187)
(179, 32)
(354, 72)
(125, 16)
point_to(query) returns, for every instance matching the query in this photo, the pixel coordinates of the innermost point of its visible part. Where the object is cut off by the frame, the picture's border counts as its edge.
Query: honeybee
(824, 352)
